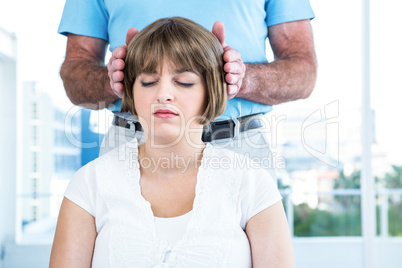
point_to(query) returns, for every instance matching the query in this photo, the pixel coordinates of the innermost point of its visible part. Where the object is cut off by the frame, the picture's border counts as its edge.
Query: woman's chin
(167, 136)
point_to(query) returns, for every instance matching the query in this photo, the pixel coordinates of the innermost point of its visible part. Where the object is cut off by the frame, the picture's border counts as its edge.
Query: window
(319, 138)
(34, 162)
(385, 99)
(35, 135)
(34, 109)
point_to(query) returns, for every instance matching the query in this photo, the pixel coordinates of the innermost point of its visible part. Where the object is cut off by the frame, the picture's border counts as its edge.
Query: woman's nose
(165, 92)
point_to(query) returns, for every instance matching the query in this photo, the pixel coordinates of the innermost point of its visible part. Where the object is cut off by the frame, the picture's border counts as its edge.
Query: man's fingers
(234, 83)
(231, 54)
(117, 76)
(232, 78)
(119, 52)
(233, 67)
(130, 34)
(118, 89)
(232, 91)
(235, 71)
(219, 31)
(117, 65)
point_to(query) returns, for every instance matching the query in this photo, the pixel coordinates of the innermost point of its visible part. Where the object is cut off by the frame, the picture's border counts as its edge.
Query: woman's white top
(230, 189)
(172, 229)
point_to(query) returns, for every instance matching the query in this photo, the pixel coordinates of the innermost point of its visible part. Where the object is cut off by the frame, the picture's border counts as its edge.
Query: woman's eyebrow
(178, 71)
(149, 72)
(183, 70)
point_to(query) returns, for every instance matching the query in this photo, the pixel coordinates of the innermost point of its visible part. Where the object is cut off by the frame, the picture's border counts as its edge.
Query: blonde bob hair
(186, 45)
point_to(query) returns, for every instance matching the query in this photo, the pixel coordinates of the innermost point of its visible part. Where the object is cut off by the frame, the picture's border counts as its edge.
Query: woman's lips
(164, 114)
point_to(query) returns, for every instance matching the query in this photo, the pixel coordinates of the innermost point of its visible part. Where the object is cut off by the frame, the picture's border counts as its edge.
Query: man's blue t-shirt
(246, 26)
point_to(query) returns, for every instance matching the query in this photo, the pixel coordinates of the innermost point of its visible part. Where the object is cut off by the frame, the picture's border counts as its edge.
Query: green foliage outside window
(342, 216)
(318, 222)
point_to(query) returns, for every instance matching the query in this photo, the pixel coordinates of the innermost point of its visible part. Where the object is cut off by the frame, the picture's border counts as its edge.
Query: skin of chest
(169, 197)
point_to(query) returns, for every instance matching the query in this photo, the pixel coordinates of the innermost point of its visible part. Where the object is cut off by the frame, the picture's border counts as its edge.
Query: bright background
(317, 143)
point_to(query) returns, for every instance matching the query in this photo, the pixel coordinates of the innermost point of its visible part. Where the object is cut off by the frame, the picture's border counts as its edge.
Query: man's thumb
(219, 31)
(130, 34)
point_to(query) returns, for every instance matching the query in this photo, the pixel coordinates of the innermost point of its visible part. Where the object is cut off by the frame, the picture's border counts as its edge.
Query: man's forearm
(87, 84)
(292, 74)
(279, 81)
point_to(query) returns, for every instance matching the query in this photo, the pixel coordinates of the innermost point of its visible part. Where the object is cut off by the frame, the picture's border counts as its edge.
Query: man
(253, 87)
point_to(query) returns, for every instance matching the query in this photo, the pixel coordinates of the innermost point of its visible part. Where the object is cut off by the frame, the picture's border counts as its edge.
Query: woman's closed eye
(185, 84)
(148, 84)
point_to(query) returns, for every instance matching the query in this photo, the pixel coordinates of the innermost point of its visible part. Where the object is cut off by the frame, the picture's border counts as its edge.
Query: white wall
(22, 256)
(8, 93)
(345, 252)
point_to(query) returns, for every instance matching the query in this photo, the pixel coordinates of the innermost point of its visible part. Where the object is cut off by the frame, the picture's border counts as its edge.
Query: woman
(172, 201)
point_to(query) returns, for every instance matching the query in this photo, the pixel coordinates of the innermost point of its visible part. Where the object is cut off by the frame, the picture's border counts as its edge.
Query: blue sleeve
(280, 11)
(85, 17)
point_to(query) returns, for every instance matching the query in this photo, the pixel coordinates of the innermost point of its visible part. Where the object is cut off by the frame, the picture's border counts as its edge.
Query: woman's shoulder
(229, 158)
(114, 160)
(127, 151)
(221, 151)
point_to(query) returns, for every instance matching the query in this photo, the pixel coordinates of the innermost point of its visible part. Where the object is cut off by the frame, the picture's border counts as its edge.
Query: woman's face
(169, 102)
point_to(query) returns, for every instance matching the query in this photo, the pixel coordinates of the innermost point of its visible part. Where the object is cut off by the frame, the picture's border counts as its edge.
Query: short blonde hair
(187, 45)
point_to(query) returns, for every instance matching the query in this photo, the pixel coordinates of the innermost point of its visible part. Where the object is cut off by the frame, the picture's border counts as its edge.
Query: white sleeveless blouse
(229, 191)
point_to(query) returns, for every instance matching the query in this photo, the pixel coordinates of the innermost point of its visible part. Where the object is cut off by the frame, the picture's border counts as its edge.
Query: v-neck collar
(134, 177)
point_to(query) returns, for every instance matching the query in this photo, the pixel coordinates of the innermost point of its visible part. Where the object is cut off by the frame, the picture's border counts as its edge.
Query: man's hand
(234, 67)
(116, 64)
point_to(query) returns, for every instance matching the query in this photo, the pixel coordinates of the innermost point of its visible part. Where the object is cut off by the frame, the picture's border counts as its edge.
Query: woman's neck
(181, 157)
